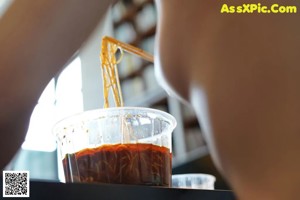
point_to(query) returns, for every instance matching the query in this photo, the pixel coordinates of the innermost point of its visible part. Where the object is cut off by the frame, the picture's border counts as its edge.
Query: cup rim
(167, 116)
(194, 175)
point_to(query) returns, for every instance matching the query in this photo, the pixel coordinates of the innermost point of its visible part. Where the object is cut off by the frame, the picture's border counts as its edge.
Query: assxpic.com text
(258, 8)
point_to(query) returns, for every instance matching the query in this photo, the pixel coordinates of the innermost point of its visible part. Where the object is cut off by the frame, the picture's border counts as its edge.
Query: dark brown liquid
(140, 164)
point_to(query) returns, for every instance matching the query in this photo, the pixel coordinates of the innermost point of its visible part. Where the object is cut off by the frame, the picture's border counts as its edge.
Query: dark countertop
(52, 190)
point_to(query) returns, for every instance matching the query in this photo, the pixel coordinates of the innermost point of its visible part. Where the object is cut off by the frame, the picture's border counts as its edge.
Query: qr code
(15, 183)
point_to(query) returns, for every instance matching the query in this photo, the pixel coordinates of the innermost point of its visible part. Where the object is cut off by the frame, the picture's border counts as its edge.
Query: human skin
(241, 74)
(37, 39)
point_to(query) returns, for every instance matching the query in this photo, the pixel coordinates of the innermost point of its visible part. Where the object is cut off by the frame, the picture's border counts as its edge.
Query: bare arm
(37, 38)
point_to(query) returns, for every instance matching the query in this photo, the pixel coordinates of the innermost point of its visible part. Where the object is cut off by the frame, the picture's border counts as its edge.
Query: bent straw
(115, 86)
(130, 49)
(126, 129)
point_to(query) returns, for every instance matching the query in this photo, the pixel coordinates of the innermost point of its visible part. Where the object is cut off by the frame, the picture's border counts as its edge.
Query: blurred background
(79, 88)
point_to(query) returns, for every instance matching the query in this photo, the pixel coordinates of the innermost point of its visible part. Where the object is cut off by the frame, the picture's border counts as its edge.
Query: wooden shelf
(143, 36)
(191, 122)
(130, 15)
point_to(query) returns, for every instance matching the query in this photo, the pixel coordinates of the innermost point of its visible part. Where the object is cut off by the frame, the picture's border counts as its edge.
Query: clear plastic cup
(194, 181)
(125, 145)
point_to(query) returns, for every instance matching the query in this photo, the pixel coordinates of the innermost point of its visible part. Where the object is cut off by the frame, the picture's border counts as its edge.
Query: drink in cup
(121, 145)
